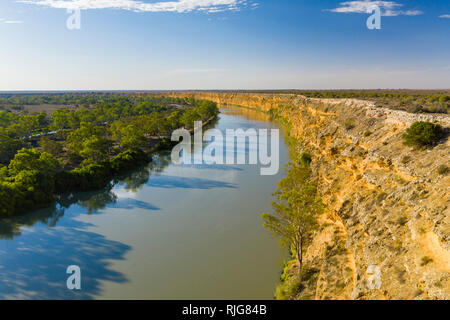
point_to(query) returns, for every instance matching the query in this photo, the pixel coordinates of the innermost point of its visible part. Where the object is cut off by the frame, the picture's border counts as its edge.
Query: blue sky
(223, 44)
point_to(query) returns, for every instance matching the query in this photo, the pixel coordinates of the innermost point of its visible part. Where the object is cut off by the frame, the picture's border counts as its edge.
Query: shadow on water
(164, 181)
(87, 202)
(33, 266)
(221, 167)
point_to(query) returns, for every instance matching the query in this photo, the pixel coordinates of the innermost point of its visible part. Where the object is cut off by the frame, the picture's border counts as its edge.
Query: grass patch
(292, 285)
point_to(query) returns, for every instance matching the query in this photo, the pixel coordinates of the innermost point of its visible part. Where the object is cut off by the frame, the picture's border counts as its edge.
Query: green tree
(189, 117)
(3, 172)
(85, 115)
(50, 146)
(42, 119)
(128, 135)
(84, 132)
(6, 118)
(174, 120)
(154, 124)
(32, 181)
(143, 108)
(7, 202)
(206, 109)
(26, 126)
(296, 211)
(95, 149)
(65, 119)
(60, 119)
(34, 160)
(9, 146)
(32, 190)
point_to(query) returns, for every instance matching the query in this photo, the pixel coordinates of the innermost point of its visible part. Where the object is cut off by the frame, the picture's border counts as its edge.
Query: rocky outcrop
(388, 214)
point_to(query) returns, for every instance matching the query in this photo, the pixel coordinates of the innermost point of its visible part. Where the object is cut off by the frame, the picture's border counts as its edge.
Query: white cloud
(389, 8)
(445, 16)
(209, 6)
(3, 20)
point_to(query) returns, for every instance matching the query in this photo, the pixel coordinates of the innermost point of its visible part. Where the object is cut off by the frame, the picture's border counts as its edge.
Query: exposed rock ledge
(387, 204)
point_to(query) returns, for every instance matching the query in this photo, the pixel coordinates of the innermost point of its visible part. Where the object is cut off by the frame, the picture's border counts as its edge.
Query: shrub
(402, 220)
(128, 160)
(423, 134)
(341, 248)
(437, 108)
(305, 159)
(308, 273)
(425, 261)
(294, 288)
(406, 159)
(349, 124)
(334, 151)
(367, 133)
(442, 169)
(416, 109)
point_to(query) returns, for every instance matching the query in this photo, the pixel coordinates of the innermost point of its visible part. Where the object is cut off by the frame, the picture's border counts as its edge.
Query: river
(164, 231)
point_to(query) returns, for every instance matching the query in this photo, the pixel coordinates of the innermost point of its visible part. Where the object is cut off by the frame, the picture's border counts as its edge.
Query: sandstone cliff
(387, 204)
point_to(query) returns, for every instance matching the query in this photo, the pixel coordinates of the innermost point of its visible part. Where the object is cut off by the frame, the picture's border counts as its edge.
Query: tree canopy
(82, 147)
(296, 210)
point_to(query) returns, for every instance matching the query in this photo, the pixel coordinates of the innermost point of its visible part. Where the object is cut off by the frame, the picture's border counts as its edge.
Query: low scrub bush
(406, 159)
(425, 260)
(422, 134)
(305, 159)
(349, 124)
(443, 169)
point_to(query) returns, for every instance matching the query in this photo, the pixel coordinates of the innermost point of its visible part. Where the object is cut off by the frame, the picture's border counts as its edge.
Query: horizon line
(208, 90)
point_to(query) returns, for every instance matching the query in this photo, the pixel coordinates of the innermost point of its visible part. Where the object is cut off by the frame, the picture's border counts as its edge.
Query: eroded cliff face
(387, 204)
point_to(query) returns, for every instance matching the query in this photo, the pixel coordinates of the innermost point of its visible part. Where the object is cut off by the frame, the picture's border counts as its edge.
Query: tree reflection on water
(34, 260)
